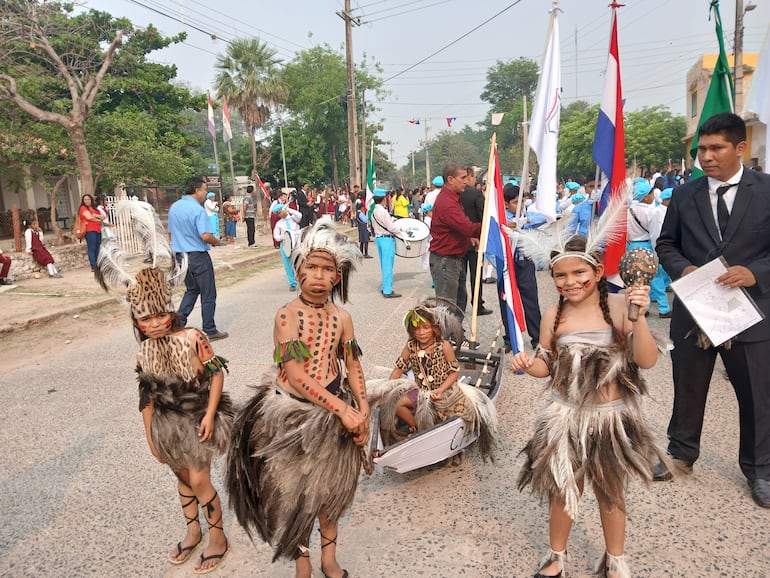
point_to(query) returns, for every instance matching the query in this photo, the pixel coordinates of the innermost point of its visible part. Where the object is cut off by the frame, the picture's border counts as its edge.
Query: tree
(508, 82)
(248, 77)
(40, 38)
(653, 136)
(316, 78)
(576, 139)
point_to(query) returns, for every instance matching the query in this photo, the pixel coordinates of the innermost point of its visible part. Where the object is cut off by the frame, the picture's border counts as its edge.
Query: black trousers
(747, 367)
(524, 269)
(468, 273)
(249, 229)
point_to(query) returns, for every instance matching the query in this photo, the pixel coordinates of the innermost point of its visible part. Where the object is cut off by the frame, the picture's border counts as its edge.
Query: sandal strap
(193, 500)
(208, 511)
(329, 541)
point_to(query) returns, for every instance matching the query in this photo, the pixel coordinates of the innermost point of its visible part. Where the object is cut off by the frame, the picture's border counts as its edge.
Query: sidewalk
(36, 301)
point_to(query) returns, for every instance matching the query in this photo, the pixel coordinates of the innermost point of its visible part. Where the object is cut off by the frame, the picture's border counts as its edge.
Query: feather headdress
(324, 237)
(148, 289)
(547, 245)
(444, 315)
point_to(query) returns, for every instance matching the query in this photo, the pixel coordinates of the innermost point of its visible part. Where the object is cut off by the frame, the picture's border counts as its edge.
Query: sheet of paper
(720, 312)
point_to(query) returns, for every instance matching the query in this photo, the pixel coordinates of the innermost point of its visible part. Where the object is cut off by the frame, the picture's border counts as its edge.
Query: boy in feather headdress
(294, 454)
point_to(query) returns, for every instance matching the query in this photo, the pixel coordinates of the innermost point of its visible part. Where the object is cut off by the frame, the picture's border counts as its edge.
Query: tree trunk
(77, 136)
(52, 200)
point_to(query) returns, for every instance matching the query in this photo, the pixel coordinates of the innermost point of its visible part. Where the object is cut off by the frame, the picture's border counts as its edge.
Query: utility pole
(413, 181)
(738, 56)
(364, 160)
(351, 94)
(391, 152)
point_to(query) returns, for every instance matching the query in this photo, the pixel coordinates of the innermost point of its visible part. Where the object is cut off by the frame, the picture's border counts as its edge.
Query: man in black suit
(305, 205)
(725, 213)
(472, 200)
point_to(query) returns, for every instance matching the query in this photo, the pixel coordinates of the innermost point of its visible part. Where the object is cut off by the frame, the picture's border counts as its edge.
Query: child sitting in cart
(434, 394)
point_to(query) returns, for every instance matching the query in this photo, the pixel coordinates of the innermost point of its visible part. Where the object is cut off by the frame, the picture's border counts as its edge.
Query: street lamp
(740, 11)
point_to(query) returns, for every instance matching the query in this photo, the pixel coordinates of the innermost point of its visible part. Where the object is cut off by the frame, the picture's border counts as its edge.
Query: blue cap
(513, 182)
(210, 195)
(379, 193)
(438, 181)
(572, 186)
(577, 197)
(666, 193)
(278, 208)
(641, 189)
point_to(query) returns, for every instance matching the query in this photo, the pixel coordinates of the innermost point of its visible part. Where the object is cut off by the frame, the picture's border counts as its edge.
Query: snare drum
(412, 239)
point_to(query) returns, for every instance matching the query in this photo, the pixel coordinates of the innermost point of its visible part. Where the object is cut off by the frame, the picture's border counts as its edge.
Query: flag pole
(483, 239)
(524, 184)
(232, 170)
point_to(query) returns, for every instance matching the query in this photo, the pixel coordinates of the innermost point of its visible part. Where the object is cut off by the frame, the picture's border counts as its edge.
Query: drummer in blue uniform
(385, 229)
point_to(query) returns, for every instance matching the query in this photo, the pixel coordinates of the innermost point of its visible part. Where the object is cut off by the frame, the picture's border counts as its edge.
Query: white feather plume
(538, 244)
(610, 227)
(146, 224)
(111, 267)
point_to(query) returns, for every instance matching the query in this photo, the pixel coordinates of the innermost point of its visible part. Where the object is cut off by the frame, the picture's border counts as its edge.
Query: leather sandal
(183, 553)
(208, 511)
(329, 542)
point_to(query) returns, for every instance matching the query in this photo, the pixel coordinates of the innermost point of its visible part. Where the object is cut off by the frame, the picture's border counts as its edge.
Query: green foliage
(508, 82)
(317, 82)
(576, 139)
(653, 136)
(132, 129)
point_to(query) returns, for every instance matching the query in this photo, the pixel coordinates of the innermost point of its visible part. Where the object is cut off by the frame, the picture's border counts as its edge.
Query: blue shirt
(582, 212)
(187, 221)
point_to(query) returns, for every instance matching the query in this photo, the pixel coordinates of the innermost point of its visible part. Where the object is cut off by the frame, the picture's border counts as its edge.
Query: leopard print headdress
(148, 291)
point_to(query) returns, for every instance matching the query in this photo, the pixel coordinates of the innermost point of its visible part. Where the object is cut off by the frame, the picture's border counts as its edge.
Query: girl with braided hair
(592, 426)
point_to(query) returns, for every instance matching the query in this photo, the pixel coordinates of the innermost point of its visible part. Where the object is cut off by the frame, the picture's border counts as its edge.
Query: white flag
(759, 99)
(544, 126)
(227, 132)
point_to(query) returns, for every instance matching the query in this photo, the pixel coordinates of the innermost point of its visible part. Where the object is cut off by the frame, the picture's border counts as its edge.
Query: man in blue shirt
(190, 231)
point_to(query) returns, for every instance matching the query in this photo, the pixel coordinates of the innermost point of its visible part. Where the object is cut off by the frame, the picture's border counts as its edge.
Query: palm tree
(247, 77)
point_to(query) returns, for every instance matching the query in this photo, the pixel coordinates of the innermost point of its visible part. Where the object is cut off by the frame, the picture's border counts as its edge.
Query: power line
(440, 50)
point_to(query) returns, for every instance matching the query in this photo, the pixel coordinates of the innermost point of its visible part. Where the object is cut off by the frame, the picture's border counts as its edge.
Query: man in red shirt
(451, 234)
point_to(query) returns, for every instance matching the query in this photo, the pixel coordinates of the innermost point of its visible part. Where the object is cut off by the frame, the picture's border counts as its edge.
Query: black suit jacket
(690, 236)
(472, 201)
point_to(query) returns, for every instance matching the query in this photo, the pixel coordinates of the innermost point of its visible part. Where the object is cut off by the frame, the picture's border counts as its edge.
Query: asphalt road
(82, 496)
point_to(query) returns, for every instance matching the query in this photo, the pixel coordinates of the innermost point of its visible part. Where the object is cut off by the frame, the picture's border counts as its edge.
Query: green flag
(719, 97)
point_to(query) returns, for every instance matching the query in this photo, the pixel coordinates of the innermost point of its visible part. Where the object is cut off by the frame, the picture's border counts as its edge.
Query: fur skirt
(474, 407)
(179, 409)
(603, 444)
(288, 459)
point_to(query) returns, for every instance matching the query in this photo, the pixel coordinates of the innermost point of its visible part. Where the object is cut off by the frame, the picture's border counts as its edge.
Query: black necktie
(723, 215)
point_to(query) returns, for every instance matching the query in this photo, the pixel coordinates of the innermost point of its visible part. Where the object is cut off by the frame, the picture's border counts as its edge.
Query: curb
(77, 309)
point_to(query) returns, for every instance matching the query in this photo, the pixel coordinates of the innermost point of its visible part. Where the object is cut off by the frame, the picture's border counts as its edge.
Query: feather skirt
(288, 460)
(577, 439)
(179, 408)
(474, 407)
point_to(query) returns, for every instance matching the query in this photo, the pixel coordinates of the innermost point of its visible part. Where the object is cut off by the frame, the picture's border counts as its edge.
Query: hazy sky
(659, 41)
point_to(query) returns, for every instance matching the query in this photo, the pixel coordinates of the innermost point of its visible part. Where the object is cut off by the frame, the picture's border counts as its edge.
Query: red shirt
(91, 226)
(450, 229)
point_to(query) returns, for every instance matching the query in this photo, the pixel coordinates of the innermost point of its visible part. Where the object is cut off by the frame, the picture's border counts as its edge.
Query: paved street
(82, 496)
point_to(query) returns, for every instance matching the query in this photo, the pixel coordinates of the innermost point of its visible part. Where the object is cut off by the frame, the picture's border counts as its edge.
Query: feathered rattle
(637, 267)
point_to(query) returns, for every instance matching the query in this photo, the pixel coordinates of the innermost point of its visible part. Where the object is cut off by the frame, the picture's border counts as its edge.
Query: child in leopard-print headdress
(187, 417)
